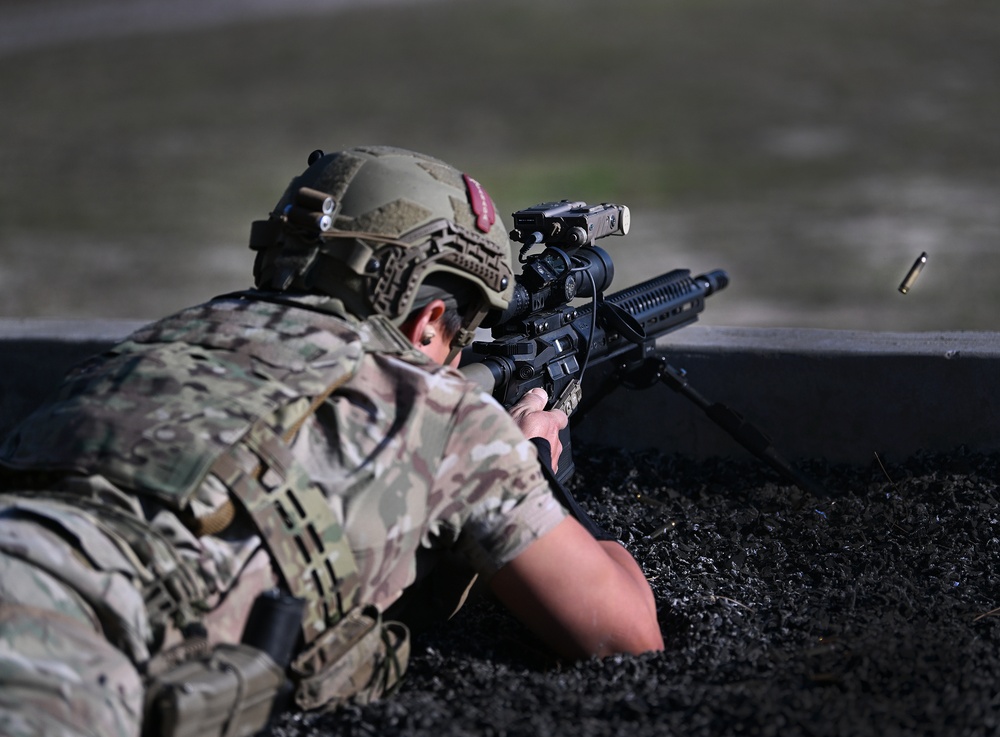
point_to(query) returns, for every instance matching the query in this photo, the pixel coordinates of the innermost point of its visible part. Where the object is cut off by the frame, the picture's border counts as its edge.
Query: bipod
(746, 434)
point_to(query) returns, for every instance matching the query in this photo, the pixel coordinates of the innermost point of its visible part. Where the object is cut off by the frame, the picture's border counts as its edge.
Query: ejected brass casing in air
(913, 273)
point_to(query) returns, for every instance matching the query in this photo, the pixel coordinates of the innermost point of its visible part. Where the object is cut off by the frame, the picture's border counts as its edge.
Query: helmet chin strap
(468, 331)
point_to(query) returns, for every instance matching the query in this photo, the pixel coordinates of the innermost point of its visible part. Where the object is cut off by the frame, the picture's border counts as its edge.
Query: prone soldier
(251, 503)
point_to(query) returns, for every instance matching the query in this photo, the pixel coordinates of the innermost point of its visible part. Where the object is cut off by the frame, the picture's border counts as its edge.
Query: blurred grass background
(812, 148)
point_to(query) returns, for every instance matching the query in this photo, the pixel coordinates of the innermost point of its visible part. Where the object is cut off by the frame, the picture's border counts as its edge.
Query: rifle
(542, 340)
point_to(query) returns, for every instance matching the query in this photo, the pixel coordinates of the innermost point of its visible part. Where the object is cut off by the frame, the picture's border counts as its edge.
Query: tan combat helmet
(377, 227)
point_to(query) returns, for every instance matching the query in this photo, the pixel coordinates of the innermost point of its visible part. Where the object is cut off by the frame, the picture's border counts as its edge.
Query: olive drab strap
(361, 659)
(293, 517)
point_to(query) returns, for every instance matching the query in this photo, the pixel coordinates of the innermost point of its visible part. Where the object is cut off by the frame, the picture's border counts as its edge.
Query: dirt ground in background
(813, 149)
(871, 612)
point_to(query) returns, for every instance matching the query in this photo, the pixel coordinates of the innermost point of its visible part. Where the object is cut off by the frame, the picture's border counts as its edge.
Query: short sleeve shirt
(415, 459)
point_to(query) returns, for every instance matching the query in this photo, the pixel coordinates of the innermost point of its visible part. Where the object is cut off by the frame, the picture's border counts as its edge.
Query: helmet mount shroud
(370, 225)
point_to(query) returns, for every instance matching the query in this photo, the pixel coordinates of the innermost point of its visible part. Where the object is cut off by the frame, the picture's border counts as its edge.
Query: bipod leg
(745, 433)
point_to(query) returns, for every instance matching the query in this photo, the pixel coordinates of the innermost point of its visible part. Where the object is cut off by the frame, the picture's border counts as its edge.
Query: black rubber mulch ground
(867, 613)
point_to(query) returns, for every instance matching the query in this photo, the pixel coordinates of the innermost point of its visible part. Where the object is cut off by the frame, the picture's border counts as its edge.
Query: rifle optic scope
(553, 278)
(571, 265)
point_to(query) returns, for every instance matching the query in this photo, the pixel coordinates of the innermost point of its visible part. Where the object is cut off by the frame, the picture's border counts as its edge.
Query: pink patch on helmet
(481, 203)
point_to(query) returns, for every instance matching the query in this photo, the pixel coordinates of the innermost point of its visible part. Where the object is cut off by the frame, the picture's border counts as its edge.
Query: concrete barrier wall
(839, 395)
(34, 355)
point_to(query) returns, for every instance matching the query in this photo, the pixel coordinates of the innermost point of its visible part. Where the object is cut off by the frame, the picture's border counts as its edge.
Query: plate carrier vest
(220, 389)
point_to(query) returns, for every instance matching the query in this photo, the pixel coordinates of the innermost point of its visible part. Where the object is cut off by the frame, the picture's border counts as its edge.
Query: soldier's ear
(420, 322)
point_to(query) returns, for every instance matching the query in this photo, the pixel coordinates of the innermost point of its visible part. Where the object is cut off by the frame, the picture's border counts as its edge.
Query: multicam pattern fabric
(155, 412)
(216, 388)
(76, 609)
(415, 464)
(60, 674)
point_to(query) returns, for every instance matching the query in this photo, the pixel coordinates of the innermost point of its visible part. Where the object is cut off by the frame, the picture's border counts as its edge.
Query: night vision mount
(568, 224)
(570, 265)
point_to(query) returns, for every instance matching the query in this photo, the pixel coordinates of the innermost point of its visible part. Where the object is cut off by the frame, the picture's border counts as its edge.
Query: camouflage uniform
(101, 567)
